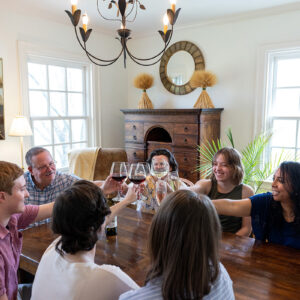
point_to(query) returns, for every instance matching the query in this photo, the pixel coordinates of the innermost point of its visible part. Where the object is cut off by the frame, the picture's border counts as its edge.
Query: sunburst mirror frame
(198, 58)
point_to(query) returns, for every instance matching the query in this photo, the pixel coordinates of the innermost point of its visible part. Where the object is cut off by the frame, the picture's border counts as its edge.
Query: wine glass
(146, 167)
(174, 175)
(160, 190)
(118, 172)
(159, 167)
(137, 175)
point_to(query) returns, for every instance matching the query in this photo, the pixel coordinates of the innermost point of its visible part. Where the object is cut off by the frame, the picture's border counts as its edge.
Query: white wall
(111, 87)
(230, 50)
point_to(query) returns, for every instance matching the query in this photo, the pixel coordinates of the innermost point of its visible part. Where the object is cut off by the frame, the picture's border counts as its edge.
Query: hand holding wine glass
(118, 172)
(137, 174)
(160, 190)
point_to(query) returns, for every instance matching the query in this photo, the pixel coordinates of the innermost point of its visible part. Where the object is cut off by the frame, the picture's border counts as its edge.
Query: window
(59, 106)
(283, 103)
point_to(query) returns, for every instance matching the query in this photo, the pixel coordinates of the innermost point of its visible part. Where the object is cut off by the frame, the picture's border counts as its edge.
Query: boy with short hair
(14, 215)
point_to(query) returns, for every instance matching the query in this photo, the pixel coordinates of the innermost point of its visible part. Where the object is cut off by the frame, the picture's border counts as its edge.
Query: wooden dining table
(258, 270)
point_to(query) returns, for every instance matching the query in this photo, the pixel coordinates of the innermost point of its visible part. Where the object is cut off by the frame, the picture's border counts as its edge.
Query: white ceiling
(150, 20)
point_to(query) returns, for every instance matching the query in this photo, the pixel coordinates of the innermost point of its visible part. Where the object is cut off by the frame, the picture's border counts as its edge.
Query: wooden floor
(258, 270)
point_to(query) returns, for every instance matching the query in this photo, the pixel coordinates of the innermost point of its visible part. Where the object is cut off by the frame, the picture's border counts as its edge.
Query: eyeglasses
(51, 165)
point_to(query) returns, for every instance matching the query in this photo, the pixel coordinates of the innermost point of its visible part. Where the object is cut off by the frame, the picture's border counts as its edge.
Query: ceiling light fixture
(126, 12)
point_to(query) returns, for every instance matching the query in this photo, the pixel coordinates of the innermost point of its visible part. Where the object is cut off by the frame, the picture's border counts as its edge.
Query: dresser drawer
(187, 159)
(185, 140)
(134, 132)
(135, 155)
(191, 129)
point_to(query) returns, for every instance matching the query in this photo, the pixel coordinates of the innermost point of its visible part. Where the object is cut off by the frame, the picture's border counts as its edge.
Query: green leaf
(207, 150)
(256, 171)
(230, 137)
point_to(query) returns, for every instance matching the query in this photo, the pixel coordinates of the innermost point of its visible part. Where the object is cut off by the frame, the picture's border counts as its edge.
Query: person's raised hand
(110, 186)
(131, 195)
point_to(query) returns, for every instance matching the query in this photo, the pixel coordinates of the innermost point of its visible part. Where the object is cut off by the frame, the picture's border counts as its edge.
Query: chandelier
(126, 12)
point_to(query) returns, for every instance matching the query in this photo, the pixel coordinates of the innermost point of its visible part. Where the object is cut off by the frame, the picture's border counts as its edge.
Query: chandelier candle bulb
(173, 4)
(85, 21)
(166, 21)
(126, 11)
(74, 6)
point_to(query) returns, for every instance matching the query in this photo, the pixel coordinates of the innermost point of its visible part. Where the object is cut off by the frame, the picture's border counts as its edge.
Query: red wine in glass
(137, 179)
(118, 173)
(118, 177)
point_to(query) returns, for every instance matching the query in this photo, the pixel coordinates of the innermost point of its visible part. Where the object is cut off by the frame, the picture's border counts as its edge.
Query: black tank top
(229, 223)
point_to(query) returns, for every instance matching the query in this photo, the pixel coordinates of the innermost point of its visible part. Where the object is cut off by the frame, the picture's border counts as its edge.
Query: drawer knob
(185, 159)
(134, 137)
(134, 127)
(134, 154)
(185, 140)
(186, 129)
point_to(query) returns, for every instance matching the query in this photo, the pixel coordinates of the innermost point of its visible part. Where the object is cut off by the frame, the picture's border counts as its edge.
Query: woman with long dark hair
(275, 216)
(184, 252)
(67, 269)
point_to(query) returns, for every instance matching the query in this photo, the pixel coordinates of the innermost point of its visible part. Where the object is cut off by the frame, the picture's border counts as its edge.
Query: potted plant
(256, 170)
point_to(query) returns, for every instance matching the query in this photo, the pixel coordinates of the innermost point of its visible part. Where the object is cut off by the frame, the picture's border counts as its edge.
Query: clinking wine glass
(119, 173)
(146, 167)
(137, 175)
(159, 167)
(160, 191)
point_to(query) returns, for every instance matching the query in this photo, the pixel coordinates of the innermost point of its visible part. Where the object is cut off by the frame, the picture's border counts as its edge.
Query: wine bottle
(111, 227)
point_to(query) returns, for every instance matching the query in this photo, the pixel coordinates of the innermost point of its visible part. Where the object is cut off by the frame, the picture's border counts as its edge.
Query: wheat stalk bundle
(144, 81)
(203, 79)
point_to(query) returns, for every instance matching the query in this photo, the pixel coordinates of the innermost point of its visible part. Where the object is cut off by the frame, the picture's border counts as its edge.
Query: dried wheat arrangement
(203, 79)
(144, 81)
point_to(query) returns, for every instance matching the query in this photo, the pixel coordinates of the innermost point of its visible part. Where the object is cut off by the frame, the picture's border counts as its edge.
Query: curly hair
(161, 151)
(78, 214)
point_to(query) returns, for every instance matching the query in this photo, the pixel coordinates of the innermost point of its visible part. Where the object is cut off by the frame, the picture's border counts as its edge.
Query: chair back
(105, 158)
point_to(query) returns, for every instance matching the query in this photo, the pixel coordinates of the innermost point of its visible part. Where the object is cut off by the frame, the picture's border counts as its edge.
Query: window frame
(273, 58)
(40, 54)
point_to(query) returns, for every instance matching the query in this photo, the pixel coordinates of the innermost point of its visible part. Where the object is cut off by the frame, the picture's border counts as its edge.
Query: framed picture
(2, 131)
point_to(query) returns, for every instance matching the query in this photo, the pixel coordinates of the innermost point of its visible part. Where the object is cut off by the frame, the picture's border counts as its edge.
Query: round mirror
(178, 65)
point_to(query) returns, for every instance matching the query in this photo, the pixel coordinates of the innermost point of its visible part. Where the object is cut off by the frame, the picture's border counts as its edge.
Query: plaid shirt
(50, 193)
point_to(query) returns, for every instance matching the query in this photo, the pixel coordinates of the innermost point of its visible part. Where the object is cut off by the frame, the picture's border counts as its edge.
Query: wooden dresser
(179, 130)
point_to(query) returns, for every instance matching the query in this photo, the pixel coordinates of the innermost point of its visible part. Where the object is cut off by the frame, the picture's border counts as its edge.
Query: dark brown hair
(161, 151)
(9, 172)
(290, 172)
(78, 213)
(184, 245)
(234, 160)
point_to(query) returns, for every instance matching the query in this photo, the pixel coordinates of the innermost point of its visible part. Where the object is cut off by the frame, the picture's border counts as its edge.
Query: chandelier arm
(132, 20)
(151, 58)
(101, 65)
(139, 63)
(108, 19)
(91, 55)
(133, 5)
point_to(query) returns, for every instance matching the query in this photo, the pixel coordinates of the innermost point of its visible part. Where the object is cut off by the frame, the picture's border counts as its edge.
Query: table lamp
(20, 127)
